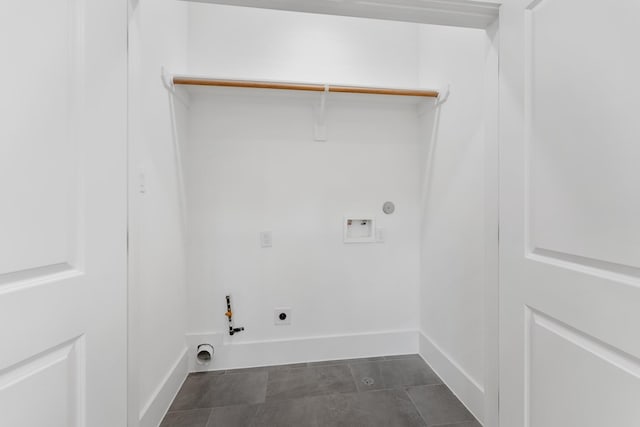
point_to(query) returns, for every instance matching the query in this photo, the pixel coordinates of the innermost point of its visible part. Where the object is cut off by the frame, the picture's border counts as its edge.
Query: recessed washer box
(359, 229)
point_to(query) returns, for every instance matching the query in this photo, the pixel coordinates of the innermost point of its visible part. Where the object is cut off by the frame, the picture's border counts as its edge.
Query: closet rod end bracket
(167, 80)
(443, 95)
(320, 128)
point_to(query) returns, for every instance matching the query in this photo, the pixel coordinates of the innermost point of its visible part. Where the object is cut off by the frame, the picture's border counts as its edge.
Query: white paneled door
(63, 213)
(570, 213)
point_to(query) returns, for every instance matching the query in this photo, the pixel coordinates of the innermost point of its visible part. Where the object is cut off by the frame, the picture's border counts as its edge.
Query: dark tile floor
(394, 391)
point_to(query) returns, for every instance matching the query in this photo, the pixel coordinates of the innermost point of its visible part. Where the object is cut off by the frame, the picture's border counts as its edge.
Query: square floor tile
(232, 416)
(346, 361)
(383, 408)
(208, 391)
(306, 411)
(393, 373)
(408, 372)
(311, 381)
(438, 405)
(464, 424)
(194, 386)
(191, 418)
(235, 389)
(386, 408)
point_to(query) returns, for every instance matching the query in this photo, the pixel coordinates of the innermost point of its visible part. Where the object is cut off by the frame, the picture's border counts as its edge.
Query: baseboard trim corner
(468, 391)
(154, 410)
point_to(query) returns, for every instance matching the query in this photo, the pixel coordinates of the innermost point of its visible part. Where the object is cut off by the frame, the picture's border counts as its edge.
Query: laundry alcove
(236, 162)
(252, 165)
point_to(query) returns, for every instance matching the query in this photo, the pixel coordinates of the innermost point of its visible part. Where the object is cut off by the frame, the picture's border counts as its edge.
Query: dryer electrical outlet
(282, 316)
(266, 239)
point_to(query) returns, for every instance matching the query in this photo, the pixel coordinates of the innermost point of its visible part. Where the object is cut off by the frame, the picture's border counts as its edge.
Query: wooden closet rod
(199, 81)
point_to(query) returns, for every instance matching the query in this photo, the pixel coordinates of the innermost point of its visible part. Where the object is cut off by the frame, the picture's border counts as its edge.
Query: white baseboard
(158, 404)
(231, 355)
(470, 393)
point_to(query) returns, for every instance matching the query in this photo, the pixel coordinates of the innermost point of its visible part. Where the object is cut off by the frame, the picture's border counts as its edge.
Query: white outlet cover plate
(266, 239)
(276, 316)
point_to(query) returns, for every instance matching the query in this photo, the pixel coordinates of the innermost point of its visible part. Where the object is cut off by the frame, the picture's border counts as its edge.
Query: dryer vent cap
(204, 353)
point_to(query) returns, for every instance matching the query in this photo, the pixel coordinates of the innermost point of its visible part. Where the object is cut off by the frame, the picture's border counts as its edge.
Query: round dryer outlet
(282, 316)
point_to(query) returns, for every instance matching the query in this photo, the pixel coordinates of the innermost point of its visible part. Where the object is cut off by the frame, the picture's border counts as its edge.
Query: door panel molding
(558, 358)
(38, 380)
(569, 166)
(43, 216)
(11, 282)
(602, 269)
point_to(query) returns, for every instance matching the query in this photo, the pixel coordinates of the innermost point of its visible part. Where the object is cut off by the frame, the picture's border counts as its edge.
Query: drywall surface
(438, 12)
(157, 276)
(253, 166)
(453, 222)
(247, 43)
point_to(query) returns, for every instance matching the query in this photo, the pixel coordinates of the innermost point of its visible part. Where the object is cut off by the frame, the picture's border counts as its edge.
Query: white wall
(491, 217)
(253, 165)
(248, 43)
(453, 221)
(157, 276)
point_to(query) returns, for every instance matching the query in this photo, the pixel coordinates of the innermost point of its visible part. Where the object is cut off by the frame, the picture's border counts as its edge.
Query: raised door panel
(42, 211)
(575, 379)
(38, 155)
(583, 99)
(45, 390)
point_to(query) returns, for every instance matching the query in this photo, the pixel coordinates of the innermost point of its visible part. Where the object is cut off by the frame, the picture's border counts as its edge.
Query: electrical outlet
(282, 316)
(266, 239)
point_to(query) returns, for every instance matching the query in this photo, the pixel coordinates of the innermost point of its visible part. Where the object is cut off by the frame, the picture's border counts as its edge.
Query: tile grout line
(210, 417)
(415, 406)
(447, 424)
(266, 387)
(353, 377)
(454, 424)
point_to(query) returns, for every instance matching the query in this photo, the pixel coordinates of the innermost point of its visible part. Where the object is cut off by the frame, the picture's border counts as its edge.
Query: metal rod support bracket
(320, 128)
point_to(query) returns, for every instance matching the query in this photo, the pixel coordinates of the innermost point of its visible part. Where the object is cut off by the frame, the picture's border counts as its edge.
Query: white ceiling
(461, 13)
